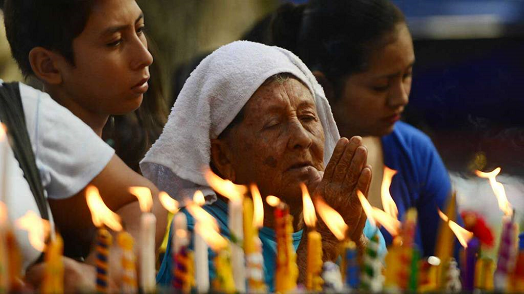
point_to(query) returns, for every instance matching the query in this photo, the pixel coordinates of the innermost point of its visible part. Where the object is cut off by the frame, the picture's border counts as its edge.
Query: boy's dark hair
(51, 24)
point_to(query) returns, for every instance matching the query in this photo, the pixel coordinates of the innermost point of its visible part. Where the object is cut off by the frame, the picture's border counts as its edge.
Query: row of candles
(239, 261)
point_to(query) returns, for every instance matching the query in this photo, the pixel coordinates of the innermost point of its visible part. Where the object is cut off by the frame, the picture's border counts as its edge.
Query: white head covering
(211, 98)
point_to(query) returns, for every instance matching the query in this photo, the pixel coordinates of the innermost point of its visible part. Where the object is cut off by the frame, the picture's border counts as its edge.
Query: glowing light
(198, 198)
(37, 228)
(392, 225)
(144, 197)
(212, 238)
(463, 235)
(100, 213)
(201, 215)
(3, 131)
(168, 203)
(226, 188)
(273, 201)
(331, 218)
(309, 210)
(258, 207)
(498, 190)
(387, 201)
(367, 208)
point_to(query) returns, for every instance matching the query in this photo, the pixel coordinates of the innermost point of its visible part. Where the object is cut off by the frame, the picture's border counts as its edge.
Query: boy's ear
(220, 159)
(326, 84)
(44, 63)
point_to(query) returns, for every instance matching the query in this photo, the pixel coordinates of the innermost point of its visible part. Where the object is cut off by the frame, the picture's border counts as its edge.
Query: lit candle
(179, 251)
(224, 282)
(469, 262)
(286, 267)
(484, 272)
(102, 216)
(202, 219)
(314, 246)
(183, 272)
(352, 268)
(445, 241)
(147, 238)
(235, 194)
(4, 142)
(54, 270)
(128, 262)
(4, 259)
(396, 273)
(506, 256)
(253, 219)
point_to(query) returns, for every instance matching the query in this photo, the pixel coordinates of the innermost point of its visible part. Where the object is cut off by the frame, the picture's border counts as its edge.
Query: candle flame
(3, 131)
(498, 190)
(168, 203)
(367, 208)
(273, 201)
(181, 234)
(201, 215)
(100, 213)
(226, 188)
(258, 205)
(37, 228)
(3, 213)
(309, 210)
(198, 198)
(463, 235)
(144, 197)
(392, 225)
(211, 236)
(331, 218)
(387, 201)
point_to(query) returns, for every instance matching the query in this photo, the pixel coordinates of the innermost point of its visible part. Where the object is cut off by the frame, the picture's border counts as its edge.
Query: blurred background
(467, 92)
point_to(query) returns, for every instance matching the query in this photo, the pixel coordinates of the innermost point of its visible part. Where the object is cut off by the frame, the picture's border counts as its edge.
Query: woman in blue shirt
(361, 52)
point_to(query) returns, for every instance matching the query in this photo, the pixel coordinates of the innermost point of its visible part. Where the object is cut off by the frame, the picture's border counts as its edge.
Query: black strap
(12, 115)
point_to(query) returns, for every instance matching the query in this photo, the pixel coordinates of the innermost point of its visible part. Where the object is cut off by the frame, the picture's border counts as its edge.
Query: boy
(92, 58)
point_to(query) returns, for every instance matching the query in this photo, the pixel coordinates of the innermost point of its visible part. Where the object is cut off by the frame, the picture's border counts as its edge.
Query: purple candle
(469, 260)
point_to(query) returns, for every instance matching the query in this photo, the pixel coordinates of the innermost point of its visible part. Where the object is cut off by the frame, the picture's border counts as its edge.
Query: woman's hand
(346, 173)
(78, 276)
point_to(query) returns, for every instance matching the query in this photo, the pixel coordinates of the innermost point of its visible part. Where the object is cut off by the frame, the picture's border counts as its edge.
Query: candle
(332, 278)
(351, 265)
(147, 238)
(179, 241)
(4, 259)
(4, 142)
(506, 256)
(235, 194)
(126, 243)
(314, 245)
(201, 262)
(287, 271)
(224, 282)
(253, 246)
(102, 215)
(54, 271)
(518, 275)
(183, 272)
(14, 263)
(237, 235)
(453, 284)
(103, 242)
(469, 263)
(396, 272)
(371, 275)
(445, 241)
(484, 272)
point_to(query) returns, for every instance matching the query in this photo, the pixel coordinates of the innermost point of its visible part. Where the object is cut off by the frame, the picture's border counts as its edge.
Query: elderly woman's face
(280, 141)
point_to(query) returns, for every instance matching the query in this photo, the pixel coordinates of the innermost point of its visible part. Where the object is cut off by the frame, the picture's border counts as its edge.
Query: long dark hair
(335, 36)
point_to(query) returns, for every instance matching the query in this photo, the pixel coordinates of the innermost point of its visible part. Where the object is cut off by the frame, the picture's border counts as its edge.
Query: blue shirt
(422, 181)
(269, 246)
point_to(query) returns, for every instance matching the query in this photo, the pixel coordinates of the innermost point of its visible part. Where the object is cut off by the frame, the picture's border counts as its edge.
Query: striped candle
(518, 275)
(371, 275)
(103, 242)
(183, 272)
(351, 266)
(506, 256)
(126, 243)
(287, 271)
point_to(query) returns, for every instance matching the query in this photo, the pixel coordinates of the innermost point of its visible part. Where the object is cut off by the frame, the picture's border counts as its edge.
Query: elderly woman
(255, 114)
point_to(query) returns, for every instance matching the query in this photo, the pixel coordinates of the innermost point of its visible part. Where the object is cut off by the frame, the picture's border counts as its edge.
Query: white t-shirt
(68, 155)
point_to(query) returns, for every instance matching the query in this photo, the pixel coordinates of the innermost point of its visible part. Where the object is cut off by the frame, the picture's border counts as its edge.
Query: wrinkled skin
(279, 144)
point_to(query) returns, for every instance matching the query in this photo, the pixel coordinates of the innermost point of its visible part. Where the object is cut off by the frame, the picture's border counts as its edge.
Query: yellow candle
(287, 269)
(445, 241)
(253, 251)
(14, 263)
(126, 243)
(314, 261)
(395, 272)
(224, 282)
(54, 270)
(484, 272)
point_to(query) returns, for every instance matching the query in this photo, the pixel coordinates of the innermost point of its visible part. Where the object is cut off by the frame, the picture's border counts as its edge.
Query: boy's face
(111, 60)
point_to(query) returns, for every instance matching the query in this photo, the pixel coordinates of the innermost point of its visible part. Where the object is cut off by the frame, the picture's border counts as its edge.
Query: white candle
(237, 253)
(201, 263)
(147, 252)
(179, 232)
(5, 162)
